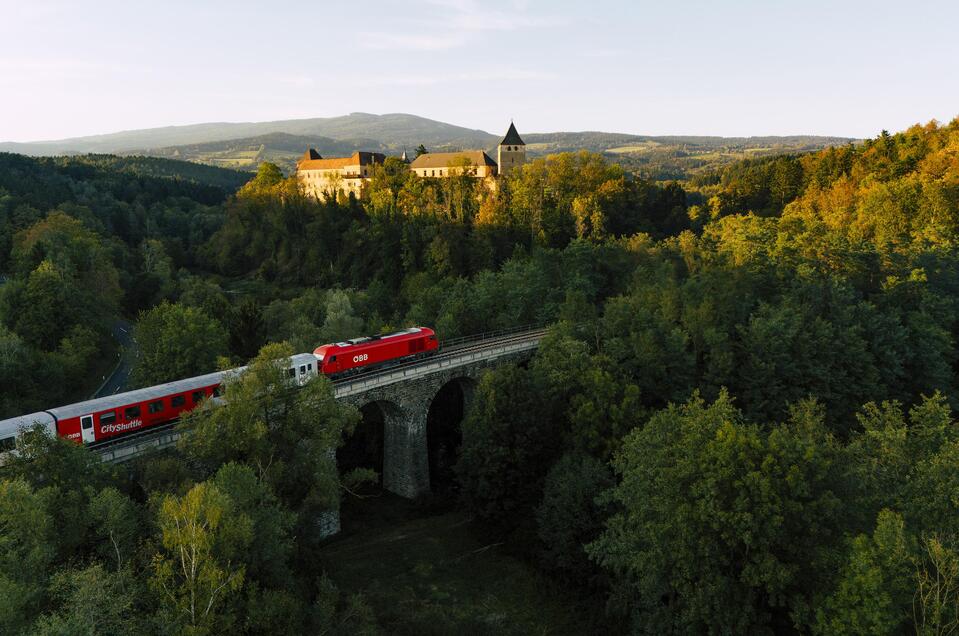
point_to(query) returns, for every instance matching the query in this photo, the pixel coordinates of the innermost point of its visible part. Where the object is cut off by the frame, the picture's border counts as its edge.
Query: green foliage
(202, 535)
(802, 286)
(93, 601)
(569, 517)
(176, 342)
(286, 433)
(875, 586)
(116, 526)
(508, 446)
(26, 553)
(723, 525)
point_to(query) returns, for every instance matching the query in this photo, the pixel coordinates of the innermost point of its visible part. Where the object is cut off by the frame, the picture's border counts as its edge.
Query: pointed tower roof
(512, 137)
(403, 157)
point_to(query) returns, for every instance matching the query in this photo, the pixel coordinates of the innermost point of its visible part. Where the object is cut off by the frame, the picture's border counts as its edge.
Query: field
(656, 158)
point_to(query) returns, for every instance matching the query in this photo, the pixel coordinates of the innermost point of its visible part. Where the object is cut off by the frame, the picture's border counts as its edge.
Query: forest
(742, 419)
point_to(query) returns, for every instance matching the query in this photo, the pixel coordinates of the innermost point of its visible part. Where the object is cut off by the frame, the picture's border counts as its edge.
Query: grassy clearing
(635, 148)
(433, 574)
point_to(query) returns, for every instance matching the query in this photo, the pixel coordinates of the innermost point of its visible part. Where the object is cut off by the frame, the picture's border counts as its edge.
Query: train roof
(10, 427)
(396, 335)
(158, 391)
(139, 395)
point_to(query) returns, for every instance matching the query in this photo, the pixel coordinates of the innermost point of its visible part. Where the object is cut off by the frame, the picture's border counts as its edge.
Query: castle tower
(511, 152)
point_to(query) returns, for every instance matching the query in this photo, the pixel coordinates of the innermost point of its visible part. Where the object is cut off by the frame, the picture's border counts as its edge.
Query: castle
(350, 175)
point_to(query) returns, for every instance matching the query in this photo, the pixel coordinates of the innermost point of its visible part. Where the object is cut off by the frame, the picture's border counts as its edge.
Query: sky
(732, 68)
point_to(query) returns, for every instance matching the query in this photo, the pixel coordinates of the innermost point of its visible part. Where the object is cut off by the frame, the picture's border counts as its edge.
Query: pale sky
(716, 67)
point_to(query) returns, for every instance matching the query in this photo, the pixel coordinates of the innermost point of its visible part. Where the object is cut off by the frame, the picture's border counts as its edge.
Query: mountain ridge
(245, 145)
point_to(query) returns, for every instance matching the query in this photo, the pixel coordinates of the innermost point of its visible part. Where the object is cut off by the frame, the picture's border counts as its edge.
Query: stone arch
(366, 446)
(444, 433)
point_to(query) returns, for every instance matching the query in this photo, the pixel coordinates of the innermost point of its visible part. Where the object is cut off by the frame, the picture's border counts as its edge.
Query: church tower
(511, 152)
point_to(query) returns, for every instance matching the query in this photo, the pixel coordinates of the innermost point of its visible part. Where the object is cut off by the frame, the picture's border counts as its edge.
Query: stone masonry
(405, 406)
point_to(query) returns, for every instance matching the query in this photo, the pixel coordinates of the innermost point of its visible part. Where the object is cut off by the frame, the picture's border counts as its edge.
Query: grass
(429, 573)
(635, 148)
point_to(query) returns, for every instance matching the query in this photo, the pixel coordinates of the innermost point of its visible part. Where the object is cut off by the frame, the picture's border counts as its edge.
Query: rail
(455, 352)
(452, 343)
(465, 353)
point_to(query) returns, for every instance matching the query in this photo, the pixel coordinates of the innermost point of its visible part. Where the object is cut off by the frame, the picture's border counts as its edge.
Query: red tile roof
(357, 159)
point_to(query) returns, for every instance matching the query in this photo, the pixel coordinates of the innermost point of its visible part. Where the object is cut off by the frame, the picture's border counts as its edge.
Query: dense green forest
(741, 421)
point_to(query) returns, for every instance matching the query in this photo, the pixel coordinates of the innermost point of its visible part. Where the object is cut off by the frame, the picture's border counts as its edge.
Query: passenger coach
(107, 417)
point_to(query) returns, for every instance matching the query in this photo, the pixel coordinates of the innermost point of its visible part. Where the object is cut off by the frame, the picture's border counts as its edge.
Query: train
(101, 419)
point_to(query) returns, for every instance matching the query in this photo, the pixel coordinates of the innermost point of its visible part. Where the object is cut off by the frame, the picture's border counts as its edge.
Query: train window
(156, 407)
(309, 366)
(178, 400)
(198, 396)
(217, 391)
(8, 444)
(332, 358)
(108, 418)
(291, 373)
(132, 412)
(302, 369)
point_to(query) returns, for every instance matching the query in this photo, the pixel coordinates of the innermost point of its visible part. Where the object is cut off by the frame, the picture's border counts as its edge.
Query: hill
(676, 157)
(400, 129)
(280, 148)
(245, 146)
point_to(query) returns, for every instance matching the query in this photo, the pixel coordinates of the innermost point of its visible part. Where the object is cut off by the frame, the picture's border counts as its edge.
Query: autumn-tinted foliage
(741, 420)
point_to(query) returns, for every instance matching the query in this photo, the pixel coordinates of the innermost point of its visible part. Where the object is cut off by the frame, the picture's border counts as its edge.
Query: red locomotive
(352, 356)
(104, 418)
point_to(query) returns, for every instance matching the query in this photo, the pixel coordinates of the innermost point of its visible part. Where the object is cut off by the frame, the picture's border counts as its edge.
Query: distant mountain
(244, 146)
(398, 129)
(619, 143)
(280, 148)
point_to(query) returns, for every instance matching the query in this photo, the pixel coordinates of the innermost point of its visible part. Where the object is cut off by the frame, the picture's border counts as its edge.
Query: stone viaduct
(403, 396)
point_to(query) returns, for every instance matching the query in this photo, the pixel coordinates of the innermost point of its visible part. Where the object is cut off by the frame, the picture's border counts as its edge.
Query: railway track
(155, 435)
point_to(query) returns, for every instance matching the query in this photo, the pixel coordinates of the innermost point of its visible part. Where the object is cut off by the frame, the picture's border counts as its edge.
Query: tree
(267, 558)
(509, 443)
(116, 525)
(569, 517)
(420, 150)
(723, 527)
(268, 176)
(202, 536)
(93, 601)
(341, 323)
(246, 328)
(26, 553)
(286, 433)
(876, 584)
(176, 342)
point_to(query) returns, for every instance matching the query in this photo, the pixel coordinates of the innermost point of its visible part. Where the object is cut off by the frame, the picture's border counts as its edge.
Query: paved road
(118, 380)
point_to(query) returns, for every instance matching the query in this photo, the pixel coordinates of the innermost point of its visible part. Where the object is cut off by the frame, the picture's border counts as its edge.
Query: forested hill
(247, 145)
(660, 158)
(83, 241)
(398, 129)
(23, 174)
(742, 419)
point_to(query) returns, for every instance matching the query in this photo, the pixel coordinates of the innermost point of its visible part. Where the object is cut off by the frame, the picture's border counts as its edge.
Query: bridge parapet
(409, 389)
(405, 397)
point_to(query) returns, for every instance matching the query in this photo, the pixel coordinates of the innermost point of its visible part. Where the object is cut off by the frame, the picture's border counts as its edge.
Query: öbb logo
(363, 357)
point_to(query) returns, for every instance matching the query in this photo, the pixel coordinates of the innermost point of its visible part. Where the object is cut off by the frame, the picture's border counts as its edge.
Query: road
(118, 380)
